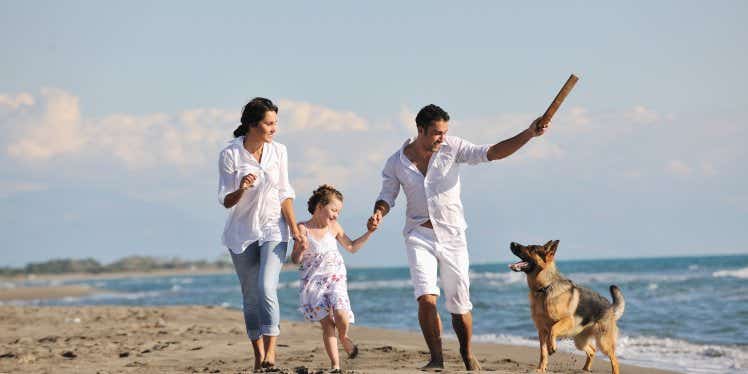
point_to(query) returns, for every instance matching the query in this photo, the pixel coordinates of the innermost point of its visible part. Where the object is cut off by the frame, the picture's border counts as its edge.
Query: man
(427, 168)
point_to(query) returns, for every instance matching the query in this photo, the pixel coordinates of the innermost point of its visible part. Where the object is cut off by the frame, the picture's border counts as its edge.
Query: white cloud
(36, 130)
(576, 117)
(51, 129)
(8, 188)
(17, 101)
(631, 173)
(642, 115)
(297, 116)
(326, 145)
(678, 167)
(708, 169)
(407, 121)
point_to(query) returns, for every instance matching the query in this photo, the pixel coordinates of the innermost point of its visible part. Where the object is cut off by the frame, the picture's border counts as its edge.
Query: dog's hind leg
(606, 341)
(582, 342)
(563, 325)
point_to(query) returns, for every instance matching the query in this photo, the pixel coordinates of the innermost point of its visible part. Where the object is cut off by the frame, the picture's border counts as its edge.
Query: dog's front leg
(543, 364)
(563, 325)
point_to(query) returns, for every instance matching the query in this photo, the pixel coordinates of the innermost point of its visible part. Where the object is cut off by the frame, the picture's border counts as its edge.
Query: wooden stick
(558, 100)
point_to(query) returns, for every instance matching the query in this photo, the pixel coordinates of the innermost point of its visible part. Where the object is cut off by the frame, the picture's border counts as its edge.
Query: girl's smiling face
(329, 213)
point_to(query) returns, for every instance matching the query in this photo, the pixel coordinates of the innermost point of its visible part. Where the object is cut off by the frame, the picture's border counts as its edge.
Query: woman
(254, 185)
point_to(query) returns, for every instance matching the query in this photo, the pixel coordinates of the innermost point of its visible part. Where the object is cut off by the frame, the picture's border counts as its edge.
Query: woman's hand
(300, 244)
(247, 181)
(300, 240)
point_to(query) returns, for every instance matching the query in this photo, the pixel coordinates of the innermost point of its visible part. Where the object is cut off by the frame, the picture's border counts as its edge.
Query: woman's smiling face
(267, 127)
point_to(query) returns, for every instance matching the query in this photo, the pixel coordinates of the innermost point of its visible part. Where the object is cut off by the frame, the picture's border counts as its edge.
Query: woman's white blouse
(257, 216)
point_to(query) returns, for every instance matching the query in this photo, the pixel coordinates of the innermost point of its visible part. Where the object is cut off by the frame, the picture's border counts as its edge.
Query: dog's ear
(550, 248)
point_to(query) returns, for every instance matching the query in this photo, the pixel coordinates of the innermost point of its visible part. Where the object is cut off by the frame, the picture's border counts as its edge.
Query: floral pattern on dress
(323, 283)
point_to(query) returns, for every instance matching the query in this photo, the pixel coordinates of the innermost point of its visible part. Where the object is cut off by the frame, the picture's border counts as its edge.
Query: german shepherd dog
(561, 308)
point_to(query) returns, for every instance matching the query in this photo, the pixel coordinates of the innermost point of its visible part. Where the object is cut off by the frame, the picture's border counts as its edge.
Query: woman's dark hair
(428, 114)
(253, 113)
(323, 195)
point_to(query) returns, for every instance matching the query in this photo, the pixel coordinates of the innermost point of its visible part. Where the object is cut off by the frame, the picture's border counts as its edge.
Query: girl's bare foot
(349, 347)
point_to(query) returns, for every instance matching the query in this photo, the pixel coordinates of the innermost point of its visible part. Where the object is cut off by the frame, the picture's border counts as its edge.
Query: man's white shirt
(436, 196)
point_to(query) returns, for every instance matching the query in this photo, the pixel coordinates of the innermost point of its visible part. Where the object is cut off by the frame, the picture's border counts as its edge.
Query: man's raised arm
(507, 147)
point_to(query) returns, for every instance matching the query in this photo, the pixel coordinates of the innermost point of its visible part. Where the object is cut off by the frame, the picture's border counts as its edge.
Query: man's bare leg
(431, 326)
(463, 326)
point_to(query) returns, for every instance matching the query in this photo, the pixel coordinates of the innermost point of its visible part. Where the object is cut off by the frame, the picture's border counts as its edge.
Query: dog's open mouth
(520, 266)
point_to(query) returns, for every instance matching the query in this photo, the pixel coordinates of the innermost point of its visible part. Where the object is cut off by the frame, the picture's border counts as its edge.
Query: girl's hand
(247, 181)
(372, 224)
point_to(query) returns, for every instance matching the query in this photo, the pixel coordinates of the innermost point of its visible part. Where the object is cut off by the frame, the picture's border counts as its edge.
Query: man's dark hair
(428, 114)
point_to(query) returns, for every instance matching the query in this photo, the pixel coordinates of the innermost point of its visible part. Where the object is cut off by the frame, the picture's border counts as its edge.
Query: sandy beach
(46, 292)
(204, 339)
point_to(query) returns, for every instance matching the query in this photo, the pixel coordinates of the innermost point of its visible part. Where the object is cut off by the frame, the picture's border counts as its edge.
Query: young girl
(324, 291)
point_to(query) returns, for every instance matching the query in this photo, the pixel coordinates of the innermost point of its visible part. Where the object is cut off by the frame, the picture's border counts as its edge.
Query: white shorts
(425, 255)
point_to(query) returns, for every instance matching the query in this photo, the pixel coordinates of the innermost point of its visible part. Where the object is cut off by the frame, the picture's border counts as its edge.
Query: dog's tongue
(518, 266)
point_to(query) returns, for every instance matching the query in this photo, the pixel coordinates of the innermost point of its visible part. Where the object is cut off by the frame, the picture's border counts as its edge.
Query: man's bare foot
(471, 363)
(433, 365)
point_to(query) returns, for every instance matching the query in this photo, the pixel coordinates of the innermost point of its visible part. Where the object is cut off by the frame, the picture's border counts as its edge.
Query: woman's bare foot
(269, 361)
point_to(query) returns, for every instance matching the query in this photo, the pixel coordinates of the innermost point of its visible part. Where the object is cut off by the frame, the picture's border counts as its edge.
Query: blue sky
(112, 116)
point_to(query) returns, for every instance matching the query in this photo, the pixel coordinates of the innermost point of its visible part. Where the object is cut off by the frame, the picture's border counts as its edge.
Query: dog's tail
(619, 304)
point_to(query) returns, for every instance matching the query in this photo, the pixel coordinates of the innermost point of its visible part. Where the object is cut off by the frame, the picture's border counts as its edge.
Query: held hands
(300, 242)
(299, 239)
(247, 181)
(537, 128)
(374, 221)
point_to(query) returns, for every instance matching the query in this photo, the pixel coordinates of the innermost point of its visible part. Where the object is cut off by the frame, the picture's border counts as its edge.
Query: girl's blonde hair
(323, 195)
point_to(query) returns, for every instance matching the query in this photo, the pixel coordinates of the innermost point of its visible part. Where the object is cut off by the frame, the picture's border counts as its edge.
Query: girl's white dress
(323, 279)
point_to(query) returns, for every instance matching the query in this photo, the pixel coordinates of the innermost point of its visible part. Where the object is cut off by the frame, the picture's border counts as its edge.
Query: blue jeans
(258, 269)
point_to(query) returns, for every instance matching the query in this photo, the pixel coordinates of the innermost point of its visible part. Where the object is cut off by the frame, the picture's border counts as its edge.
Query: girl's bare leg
(259, 350)
(342, 323)
(331, 342)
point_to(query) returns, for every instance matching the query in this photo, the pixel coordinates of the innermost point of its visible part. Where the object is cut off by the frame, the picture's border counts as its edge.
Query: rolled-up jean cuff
(254, 334)
(270, 330)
